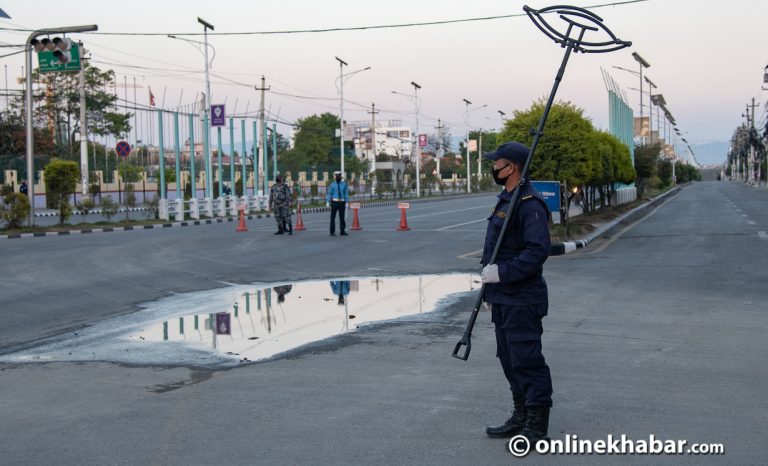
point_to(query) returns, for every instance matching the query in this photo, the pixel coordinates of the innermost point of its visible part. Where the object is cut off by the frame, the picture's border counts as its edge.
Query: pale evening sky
(707, 57)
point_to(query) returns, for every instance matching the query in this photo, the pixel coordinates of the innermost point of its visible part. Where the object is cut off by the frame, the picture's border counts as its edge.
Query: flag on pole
(151, 98)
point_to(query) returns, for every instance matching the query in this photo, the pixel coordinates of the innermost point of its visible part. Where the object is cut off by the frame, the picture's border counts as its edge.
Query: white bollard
(206, 207)
(162, 209)
(233, 206)
(194, 208)
(221, 207)
(178, 209)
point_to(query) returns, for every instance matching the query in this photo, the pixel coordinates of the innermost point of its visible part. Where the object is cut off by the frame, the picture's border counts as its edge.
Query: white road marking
(751, 222)
(461, 224)
(762, 234)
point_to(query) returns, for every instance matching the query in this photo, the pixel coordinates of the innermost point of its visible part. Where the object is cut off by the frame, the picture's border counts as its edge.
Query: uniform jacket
(523, 251)
(280, 195)
(337, 190)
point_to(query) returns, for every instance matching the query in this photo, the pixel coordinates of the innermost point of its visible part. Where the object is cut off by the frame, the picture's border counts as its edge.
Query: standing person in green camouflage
(280, 204)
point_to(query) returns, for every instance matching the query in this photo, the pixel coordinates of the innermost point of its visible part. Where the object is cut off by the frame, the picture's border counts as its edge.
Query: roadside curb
(567, 247)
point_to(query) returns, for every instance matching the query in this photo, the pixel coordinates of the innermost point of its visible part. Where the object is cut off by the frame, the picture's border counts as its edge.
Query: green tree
(61, 105)
(108, 207)
(564, 152)
(646, 167)
(316, 144)
(15, 209)
(60, 181)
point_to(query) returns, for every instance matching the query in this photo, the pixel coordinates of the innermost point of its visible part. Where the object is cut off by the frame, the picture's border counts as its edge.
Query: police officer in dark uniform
(517, 294)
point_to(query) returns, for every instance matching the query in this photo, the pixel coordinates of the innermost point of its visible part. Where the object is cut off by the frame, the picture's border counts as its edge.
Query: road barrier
(403, 206)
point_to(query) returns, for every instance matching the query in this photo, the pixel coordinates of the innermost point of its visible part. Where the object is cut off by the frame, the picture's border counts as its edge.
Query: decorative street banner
(218, 115)
(422, 140)
(222, 324)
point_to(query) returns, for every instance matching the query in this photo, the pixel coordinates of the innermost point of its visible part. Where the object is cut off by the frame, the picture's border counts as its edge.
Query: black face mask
(500, 181)
(338, 179)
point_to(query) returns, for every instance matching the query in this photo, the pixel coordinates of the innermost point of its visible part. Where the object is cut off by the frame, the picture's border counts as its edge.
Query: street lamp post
(501, 117)
(342, 75)
(466, 121)
(206, 118)
(643, 64)
(415, 147)
(28, 107)
(416, 88)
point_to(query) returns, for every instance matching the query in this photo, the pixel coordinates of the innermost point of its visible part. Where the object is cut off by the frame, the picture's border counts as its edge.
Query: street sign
(422, 140)
(123, 148)
(50, 64)
(222, 324)
(349, 131)
(473, 145)
(550, 191)
(218, 115)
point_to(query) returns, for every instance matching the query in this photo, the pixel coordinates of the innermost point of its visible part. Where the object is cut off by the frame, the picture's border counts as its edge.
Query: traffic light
(61, 47)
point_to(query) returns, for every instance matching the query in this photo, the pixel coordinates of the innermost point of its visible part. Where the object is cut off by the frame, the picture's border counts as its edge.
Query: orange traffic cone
(299, 222)
(241, 226)
(403, 220)
(355, 219)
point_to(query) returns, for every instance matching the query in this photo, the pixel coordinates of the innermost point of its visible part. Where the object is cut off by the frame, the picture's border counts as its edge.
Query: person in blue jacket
(336, 197)
(341, 289)
(517, 294)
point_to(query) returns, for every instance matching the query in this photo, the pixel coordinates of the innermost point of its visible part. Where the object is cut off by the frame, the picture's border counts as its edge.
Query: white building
(392, 138)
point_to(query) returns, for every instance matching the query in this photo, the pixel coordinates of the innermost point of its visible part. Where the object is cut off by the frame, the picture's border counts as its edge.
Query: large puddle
(238, 324)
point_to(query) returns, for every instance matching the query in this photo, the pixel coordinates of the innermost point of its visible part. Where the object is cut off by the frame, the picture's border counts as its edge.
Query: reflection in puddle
(247, 323)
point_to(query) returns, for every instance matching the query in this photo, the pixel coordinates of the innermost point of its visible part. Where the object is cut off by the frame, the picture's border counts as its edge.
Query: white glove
(490, 274)
(327, 204)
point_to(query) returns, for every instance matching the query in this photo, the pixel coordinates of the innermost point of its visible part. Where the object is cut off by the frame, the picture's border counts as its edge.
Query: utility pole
(373, 113)
(416, 88)
(438, 151)
(83, 128)
(206, 117)
(263, 164)
(479, 156)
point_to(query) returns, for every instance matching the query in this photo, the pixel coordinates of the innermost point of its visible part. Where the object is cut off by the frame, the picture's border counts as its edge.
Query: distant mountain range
(712, 153)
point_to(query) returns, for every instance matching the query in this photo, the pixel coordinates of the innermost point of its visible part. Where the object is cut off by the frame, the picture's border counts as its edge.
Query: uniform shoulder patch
(530, 196)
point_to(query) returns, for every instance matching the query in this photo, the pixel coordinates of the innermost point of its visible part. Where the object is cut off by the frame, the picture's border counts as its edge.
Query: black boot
(279, 231)
(536, 423)
(513, 426)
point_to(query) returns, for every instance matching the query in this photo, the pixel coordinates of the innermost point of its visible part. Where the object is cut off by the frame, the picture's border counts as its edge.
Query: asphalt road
(659, 330)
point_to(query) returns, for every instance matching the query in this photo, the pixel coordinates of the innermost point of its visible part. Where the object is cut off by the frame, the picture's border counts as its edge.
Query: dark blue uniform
(519, 301)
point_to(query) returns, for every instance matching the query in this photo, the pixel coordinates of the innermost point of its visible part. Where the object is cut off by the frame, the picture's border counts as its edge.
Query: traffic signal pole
(29, 108)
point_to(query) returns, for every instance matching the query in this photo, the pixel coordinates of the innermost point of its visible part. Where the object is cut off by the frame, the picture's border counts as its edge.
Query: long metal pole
(232, 156)
(418, 143)
(221, 168)
(466, 337)
(192, 174)
(341, 116)
(161, 153)
(242, 160)
(178, 153)
(275, 170)
(83, 132)
(30, 137)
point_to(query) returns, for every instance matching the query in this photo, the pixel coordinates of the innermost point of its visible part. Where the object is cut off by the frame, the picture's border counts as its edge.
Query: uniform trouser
(338, 206)
(518, 347)
(282, 217)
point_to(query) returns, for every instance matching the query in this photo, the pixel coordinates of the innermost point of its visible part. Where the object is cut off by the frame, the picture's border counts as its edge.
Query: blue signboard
(218, 115)
(550, 191)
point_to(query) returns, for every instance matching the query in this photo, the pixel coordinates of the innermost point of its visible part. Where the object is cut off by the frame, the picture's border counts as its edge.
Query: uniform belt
(335, 199)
